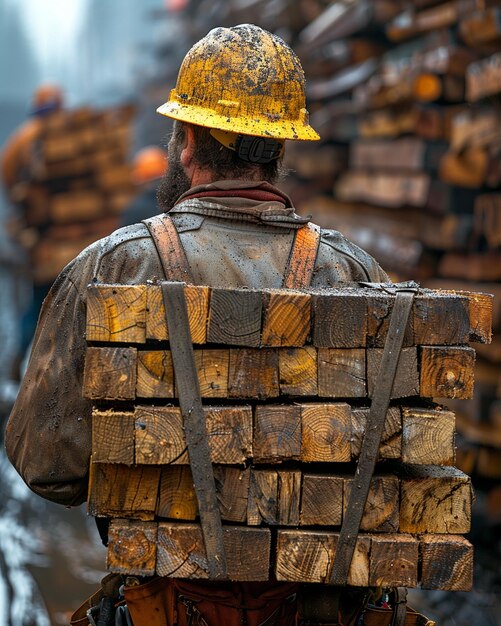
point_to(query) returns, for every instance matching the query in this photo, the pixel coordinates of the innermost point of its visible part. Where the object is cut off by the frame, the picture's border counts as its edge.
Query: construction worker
(148, 167)
(239, 96)
(15, 163)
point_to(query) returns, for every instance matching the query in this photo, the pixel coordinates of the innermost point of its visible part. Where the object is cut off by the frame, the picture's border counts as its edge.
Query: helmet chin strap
(260, 150)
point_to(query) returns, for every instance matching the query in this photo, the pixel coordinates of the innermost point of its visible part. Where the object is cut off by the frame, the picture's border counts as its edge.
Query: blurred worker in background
(15, 164)
(148, 167)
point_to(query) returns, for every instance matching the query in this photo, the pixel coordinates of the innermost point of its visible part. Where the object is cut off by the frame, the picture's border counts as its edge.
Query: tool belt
(174, 602)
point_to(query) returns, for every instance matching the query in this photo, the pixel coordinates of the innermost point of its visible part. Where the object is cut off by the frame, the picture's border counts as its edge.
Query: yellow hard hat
(243, 80)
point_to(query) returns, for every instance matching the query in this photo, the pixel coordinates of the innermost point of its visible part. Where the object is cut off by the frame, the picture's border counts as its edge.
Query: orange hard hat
(149, 164)
(47, 95)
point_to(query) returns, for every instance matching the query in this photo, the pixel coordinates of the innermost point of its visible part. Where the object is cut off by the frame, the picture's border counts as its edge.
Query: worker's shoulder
(332, 242)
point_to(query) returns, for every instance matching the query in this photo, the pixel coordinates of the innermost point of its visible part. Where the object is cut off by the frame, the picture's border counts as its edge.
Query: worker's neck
(201, 176)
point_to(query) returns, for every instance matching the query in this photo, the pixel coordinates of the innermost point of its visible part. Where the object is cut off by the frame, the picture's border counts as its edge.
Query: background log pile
(77, 183)
(406, 99)
(286, 379)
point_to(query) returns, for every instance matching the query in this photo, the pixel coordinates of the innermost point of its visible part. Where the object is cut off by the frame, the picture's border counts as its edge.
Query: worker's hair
(225, 163)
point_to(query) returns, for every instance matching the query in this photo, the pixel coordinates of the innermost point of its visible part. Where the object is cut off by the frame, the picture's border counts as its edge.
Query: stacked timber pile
(286, 379)
(78, 182)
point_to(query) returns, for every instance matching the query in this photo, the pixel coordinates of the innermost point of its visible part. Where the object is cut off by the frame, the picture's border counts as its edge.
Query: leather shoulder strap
(195, 428)
(372, 439)
(299, 270)
(169, 248)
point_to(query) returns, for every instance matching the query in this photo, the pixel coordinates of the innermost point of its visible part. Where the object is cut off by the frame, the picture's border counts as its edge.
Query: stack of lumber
(286, 379)
(78, 183)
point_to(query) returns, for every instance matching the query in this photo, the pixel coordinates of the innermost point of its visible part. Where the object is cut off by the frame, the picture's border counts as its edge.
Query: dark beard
(174, 182)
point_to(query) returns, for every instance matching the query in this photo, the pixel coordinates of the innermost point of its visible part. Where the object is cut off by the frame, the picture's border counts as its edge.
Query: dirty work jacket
(229, 242)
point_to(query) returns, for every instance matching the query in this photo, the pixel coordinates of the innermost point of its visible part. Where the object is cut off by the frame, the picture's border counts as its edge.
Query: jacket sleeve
(48, 433)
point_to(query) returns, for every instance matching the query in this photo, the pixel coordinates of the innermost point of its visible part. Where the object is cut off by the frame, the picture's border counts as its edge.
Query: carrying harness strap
(373, 433)
(195, 428)
(301, 263)
(169, 248)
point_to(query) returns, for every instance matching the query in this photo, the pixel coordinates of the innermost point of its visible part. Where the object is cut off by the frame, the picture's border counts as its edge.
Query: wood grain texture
(277, 433)
(113, 436)
(123, 491)
(289, 497)
(132, 547)
(287, 319)
(380, 307)
(341, 373)
(181, 552)
(340, 320)
(155, 374)
(160, 436)
(229, 431)
(381, 511)
(446, 562)
(177, 498)
(298, 371)
(441, 320)
(235, 317)
(253, 373)
(406, 381)
(232, 490)
(447, 372)
(212, 367)
(326, 432)
(197, 302)
(110, 373)
(116, 313)
(435, 500)
(322, 500)
(394, 560)
(391, 440)
(263, 498)
(428, 436)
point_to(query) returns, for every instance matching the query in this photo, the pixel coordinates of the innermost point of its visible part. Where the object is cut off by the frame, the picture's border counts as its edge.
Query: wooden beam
(483, 78)
(340, 319)
(393, 561)
(326, 432)
(287, 319)
(446, 562)
(277, 433)
(253, 373)
(342, 373)
(406, 381)
(110, 373)
(322, 500)
(298, 371)
(159, 436)
(391, 441)
(263, 498)
(428, 436)
(232, 490)
(441, 319)
(235, 317)
(132, 547)
(113, 436)
(213, 371)
(177, 498)
(435, 500)
(155, 374)
(116, 313)
(230, 433)
(381, 512)
(447, 372)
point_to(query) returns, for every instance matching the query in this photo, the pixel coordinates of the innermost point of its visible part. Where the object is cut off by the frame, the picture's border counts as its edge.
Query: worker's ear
(188, 150)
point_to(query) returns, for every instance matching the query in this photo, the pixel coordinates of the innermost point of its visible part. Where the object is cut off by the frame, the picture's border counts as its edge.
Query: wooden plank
(113, 436)
(277, 433)
(341, 373)
(381, 512)
(488, 218)
(230, 433)
(406, 153)
(232, 488)
(435, 500)
(298, 371)
(132, 547)
(123, 491)
(177, 498)
(155, 374)
(468, 168)
(393, 561)
(263, 498)
(160, 436)
(340, 319)
(391, 440)
(181, 552)
(235, 317)
(428, 436)
(440, 319)
(76, 206)
(197, 302)
(406, 381)
(447, 372)
(446, 562)
(326, 432)
(307, 556)
(380, 308)
(482, 27)
(289, 497)
(110, 373)
(116, 313)
(322, 500)
(287, 319)
(213, 371)
(253, 373)
(483, 78)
